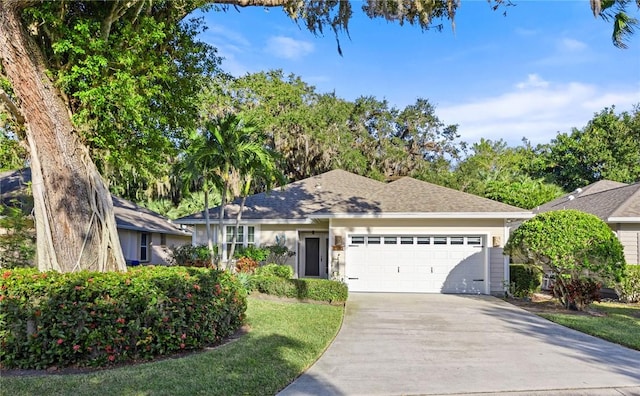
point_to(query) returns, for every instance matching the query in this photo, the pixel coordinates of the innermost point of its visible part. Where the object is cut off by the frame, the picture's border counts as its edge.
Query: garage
(416, 263)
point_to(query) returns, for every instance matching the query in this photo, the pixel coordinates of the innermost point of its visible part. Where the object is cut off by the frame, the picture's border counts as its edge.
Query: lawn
(615, 322)
(284, 339)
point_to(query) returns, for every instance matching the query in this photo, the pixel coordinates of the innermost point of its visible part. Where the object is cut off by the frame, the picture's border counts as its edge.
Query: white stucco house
(145, 236)
(403, 236)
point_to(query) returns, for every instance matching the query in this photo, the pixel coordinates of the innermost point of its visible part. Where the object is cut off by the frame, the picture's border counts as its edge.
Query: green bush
(98, 319)
(525, 280)
(17, 241)
(191, 255)
(628, 288)
(253, 252)
(281, 271)
(304, 289)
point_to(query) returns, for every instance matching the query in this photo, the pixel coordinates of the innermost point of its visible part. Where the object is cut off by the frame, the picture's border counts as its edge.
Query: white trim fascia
(248, 221)
(623, 220)
(427, 215)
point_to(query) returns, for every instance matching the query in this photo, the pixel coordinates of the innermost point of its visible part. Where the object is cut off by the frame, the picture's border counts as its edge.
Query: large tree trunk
(75, 225)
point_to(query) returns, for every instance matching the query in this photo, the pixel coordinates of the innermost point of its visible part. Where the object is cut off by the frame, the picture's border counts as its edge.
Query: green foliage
(277, 270)
(628, 288)
(311, 289)
(256, 253)
(131, 74)
(608, 147)
(572, 244)
(100, 319)
(525, 279)
(190, 255)
(523, 192)
(17, 239)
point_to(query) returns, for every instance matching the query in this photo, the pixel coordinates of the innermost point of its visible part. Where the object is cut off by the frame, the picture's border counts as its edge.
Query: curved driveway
(432, 344)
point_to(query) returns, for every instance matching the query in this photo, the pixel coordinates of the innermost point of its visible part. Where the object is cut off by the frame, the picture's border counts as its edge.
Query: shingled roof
(606, 199)
(129, 216)
(342, 193)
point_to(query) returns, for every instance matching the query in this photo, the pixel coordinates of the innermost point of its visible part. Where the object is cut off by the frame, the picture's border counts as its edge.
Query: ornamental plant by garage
(100, 319)
(578, 248)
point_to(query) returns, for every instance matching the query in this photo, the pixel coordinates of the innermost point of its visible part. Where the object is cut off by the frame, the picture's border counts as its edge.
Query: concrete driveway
(431, 344)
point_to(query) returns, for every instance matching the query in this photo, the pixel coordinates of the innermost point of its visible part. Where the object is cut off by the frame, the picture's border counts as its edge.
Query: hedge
(524, 279)
(100, 319)
(304, 289)
(629, 288)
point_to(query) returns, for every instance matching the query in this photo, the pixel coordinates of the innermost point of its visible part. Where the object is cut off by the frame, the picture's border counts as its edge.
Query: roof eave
(623, 220)
(246, 221)
(425, 215)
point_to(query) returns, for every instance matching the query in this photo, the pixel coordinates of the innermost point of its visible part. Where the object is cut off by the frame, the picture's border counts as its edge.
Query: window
(424, 240)
(373, 240)
(406, 240)
(163, 239)
(390, 240)
(357, 240)
(439, 240)
(144, 246)
(457, 240)
(241, 241)
(474, 241)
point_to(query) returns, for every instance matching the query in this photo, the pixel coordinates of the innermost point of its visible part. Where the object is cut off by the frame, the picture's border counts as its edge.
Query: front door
(313, 257)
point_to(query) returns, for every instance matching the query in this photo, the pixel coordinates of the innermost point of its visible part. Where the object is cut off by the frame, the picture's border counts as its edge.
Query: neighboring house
(403, 236)
(145, 236)
(617, 204)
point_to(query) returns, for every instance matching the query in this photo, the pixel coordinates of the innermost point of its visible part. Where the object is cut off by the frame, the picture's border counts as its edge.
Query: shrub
(279, 254)
(17, 241)
(246, 265)
(255, 253)
(580, 292)
(281, 271)
(525, 279)
(628, 288)
(98, 319)
(191, 255)
(311, 289)
(574, 245)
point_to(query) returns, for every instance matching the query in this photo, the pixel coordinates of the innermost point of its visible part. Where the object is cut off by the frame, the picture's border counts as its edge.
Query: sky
(544, 68)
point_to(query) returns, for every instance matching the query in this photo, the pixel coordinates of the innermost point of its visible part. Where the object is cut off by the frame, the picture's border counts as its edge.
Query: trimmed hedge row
(629, 288)
(524, 280)
(311, 289)
(99, 319)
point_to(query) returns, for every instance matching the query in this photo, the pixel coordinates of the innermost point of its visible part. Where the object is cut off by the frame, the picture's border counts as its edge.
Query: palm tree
(623, 24)
(229, 153)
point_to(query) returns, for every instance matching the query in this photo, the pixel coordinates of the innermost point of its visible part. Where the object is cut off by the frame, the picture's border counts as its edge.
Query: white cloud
(533, 81)
(536, 109)
(288, 48)
(569, 44)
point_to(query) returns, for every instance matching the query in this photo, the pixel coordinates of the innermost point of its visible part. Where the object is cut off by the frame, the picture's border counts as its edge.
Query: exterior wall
(291, 232)
(497, 276)
(494, 229)
(629, 235)
(130, 244)
(159, 252)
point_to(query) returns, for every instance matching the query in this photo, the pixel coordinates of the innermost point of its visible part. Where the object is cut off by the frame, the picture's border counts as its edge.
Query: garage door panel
(416, 268)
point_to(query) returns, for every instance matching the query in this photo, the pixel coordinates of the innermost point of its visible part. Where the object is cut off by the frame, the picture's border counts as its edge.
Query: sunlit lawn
(615, 322)
(284, 339)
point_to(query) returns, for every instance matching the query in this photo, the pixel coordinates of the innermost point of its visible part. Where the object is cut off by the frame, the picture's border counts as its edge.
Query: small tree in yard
(579, 248)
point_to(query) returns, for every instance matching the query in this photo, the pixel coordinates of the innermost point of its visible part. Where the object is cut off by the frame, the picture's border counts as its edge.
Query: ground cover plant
(283, 340)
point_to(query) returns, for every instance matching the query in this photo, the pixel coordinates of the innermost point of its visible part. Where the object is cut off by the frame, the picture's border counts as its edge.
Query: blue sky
(546, 67)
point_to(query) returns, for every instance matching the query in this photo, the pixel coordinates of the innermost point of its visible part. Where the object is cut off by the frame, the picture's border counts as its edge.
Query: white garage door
(416, 263)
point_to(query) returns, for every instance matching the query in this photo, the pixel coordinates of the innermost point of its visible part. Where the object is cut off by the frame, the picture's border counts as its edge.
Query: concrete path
(431, 344)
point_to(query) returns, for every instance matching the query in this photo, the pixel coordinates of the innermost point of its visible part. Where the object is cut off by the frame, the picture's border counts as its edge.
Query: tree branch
(11, 107)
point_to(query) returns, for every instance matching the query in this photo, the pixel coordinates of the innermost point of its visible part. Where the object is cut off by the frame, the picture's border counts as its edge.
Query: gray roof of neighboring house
(341, 192)
(129, 216)
(605, 199)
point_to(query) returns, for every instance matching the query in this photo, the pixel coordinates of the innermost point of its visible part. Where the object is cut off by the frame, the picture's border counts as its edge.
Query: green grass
(620, 323)
(284, 340)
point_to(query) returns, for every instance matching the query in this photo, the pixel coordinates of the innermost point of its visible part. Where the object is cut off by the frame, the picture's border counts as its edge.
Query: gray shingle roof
(604, 199)
(129, 216)
(341, 192)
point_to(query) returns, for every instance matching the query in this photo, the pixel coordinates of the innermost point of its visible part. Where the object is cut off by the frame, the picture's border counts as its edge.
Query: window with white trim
(241, 240)
(144, 246)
